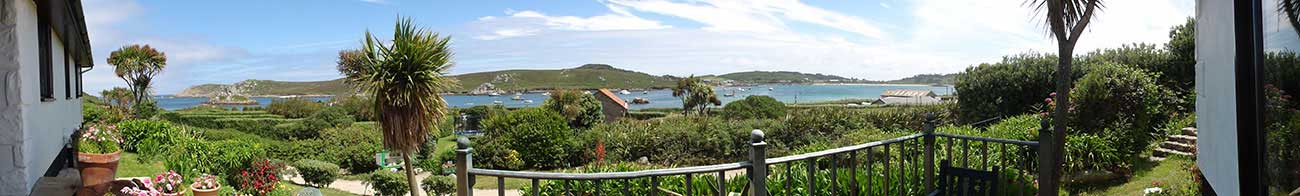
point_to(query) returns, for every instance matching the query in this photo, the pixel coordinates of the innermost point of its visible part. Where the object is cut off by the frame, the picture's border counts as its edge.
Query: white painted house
(44, 49)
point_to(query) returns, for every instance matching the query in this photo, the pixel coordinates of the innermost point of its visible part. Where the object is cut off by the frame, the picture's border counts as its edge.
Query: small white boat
(518, 93)
(528, 101)
(587, 92)
(645, 92)
(517, 98)
(624, 92)
(770, 88)
(494, 94)
(497, 102)
(546, 94)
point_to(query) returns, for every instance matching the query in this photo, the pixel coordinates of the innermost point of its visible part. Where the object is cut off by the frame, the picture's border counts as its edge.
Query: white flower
(1152, 190)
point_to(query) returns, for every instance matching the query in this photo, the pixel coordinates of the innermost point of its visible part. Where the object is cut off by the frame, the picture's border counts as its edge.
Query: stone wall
(13, 175)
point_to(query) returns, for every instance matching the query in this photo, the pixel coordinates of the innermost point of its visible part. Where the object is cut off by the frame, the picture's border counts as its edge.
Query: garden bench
(965, 181)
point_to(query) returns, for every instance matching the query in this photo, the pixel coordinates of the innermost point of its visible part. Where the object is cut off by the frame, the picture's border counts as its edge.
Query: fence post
(757, 163)
(1047, 176)
(464, 161)
(928, 131)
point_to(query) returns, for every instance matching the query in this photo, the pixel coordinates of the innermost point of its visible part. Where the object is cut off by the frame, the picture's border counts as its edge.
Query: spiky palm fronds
(137, 65)
(405, 78)
(1066, 19)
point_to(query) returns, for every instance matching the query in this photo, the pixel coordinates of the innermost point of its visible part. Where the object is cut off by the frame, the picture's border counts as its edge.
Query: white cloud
(755, 16)
(529, 22)
(885, 5)
(943, 36)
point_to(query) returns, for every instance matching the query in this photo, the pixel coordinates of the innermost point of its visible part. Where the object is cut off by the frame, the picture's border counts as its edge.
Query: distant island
(589, 76)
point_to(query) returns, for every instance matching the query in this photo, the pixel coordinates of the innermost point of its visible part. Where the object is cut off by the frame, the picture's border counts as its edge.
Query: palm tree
(695, 94)
(1066, 20)
(405, 78)
(137, 65)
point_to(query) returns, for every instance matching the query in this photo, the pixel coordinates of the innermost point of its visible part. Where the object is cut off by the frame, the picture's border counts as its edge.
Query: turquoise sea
(795, 93)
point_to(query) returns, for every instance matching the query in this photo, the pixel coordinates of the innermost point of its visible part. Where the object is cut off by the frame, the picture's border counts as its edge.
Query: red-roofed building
(610, 104)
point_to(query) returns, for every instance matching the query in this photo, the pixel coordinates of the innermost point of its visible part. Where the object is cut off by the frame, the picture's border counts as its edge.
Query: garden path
(360, 187)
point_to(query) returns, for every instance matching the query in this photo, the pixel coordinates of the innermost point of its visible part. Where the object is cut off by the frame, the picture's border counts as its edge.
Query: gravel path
(360, 188)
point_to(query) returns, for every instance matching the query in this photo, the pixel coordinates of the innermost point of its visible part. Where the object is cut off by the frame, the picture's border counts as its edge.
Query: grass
(1174, 176)
(490, 182)
(129, 166)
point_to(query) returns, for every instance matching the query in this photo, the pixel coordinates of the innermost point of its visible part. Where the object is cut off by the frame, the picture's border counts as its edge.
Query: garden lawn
(490, 183)
(130, 166)
(1174, 176)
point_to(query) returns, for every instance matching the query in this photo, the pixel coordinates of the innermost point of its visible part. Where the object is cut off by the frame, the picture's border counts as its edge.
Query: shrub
(1120, 102)
(581, 110)
(541, 137)
(642, 115)
(494, 154)
(1089, 152)
(294, 107)
(438, 185)
(352, 148)
(681, 140)
(135, 131)
(754, 107)
(361, 108)
(317, 173)
(260, 178)
(192, 157)
(482, 112)
(1006, 88)
(388, 182)
(145, 109)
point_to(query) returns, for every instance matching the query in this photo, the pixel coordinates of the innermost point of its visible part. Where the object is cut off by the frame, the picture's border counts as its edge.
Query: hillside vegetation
(589, 76)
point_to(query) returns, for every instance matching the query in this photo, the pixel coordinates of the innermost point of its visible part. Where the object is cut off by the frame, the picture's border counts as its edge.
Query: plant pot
(98, 171)
(205, 192)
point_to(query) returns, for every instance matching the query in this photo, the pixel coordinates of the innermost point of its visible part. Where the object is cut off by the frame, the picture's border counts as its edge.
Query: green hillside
(927, 79)
(584, 77)
(778, 76)
(271, 88)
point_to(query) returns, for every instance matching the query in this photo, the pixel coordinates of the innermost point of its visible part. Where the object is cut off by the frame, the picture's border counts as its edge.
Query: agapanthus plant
(206, 182)
(99, 139)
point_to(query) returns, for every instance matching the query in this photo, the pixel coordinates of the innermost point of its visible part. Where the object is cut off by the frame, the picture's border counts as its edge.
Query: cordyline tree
(695, 95)
(405, 78)
(137, 65)
(118, 97)
(1066, 20)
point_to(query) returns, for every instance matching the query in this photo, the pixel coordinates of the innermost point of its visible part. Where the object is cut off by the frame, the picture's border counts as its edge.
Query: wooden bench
(965, 181)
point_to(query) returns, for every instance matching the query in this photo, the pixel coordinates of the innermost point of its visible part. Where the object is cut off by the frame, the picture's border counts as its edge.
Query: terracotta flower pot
(97, 171)
(205, 192)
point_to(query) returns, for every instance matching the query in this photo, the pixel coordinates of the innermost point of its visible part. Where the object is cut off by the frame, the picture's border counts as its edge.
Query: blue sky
(233, 40)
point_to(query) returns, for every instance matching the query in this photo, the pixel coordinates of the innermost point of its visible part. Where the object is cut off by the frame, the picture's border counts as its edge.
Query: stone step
(1163, 152)
(1182, 139)
(1178, 146)
(1190, 131)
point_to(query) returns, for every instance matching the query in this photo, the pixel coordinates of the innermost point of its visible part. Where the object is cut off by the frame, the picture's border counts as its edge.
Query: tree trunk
(410, 174)
(1060, 120)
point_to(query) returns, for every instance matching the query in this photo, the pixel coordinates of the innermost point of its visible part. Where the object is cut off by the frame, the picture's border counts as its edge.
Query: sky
(298, 40)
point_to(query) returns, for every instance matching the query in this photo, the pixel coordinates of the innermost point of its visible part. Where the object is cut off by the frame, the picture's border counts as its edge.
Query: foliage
(1176, 124)
(388, 182)
(580, 109)
(99, 139)
(135, 131)
(260, 178)
(168, 183)
(311, 126)
(317, 173)
(1283, 140)
(193, 156)
(137, 65)
(439, 185)
(361, 108)
(91, 112)
(695, 94)
(495, 154)
(1283, 68)
(352, 148)
(754, 107)
(145, 109)
(678, 140)
(1120, 102)
(294, 107)
(118, 97)
(778, 76)
(541, 137)
(584, 77)
(1006, 88)
(1085, 152)
(643, 115)
(483, 112)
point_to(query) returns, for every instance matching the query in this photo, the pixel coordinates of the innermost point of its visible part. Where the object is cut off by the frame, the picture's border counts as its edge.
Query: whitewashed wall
(32, 132)
(1216, 112)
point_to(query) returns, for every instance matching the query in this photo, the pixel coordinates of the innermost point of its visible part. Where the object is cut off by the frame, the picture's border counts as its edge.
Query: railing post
(1047, 171)
(928, 131)
(757, 164)
(464, 161)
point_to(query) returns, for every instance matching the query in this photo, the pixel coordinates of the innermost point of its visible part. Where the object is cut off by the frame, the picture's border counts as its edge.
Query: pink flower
(1053, 94)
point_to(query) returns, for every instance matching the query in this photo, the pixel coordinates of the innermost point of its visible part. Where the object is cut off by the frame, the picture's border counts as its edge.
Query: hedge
(317, 173)
(388, 182)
